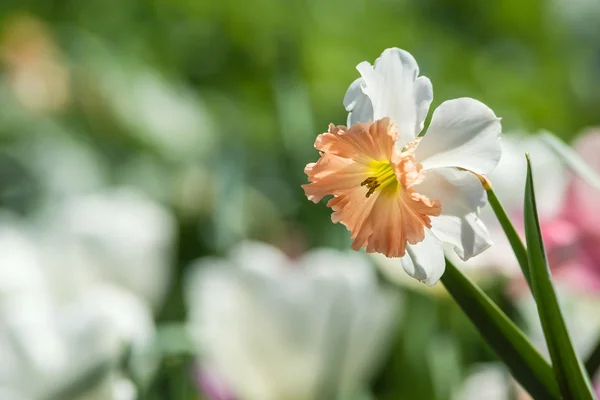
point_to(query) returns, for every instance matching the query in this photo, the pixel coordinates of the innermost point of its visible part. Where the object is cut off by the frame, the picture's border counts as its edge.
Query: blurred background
(154, 238)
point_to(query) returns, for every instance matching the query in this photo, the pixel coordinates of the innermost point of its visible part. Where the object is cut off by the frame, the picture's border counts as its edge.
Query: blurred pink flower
(212, 385)
(568, 209)
(569, 212)
(572, 237)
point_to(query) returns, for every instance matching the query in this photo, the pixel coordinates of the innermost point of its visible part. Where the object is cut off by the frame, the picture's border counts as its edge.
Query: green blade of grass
(568, 369)
(510, 345)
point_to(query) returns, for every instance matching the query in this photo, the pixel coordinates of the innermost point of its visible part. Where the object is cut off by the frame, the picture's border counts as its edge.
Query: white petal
(423, 98)
(425, 260)
(394, 91)
(466, 232)
(463, 133)
(357, 103)
(121, 235)
(461, 196)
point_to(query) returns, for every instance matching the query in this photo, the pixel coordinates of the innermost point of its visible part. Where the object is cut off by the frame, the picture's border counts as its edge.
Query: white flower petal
(425, 260)
(120, 235)
(394, 91)
(463, 133)
(423, 98)
(357, 103)
(466, 232)
(461, 195)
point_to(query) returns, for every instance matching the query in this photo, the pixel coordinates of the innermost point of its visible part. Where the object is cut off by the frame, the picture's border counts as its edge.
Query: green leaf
(509, 230)
(510, 344)
(568, 369)
(571, 159)
(593, 361)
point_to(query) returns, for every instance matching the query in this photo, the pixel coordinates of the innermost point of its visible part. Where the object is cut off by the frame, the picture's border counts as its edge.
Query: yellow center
(383, 176)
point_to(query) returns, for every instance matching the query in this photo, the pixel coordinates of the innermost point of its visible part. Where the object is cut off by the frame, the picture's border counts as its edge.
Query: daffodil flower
(398, 193)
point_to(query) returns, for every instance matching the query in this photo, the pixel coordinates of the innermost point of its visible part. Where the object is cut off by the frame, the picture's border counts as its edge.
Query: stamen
(368, 181)
(371, 191)
(384, 175)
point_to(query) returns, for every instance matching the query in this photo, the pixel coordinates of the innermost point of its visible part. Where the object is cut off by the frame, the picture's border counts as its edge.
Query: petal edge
(463, 133)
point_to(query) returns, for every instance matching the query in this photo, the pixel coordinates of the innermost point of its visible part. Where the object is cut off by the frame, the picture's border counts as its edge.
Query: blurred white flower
(508, 179)
(48, 342)
(488, 381)
(119, 236)
(276, 329)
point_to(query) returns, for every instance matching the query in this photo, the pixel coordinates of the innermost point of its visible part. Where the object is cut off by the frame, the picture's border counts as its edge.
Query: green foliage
(511, 233)
(568, 369)
(267, 76)
(501, 334)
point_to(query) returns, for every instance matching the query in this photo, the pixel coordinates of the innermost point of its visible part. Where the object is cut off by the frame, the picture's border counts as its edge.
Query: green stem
(510, 344)
(178, 379)
(511, 233)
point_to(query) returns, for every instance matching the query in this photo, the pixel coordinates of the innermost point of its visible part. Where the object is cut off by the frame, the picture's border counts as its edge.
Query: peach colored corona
(372, 186)
(397, 193)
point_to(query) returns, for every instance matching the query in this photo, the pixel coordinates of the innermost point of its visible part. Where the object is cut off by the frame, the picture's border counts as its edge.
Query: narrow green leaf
(568, 369)
(509, 230)
(593, 361)
(571, 159)
(510, 345)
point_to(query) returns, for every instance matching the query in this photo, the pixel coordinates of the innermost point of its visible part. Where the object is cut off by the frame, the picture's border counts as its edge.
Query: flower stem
(508, 342)
(511, 233)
